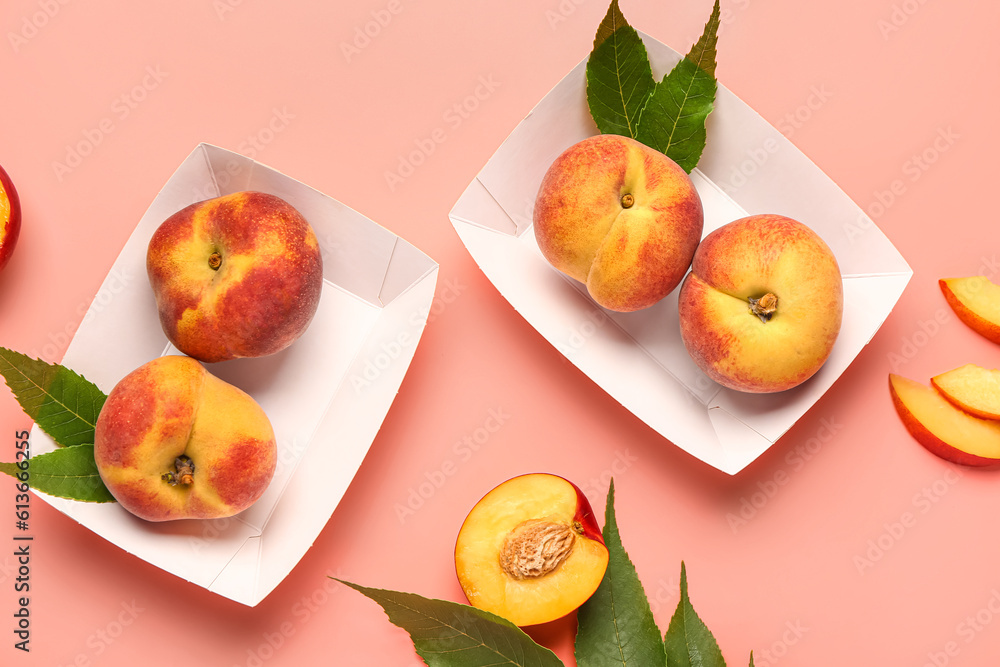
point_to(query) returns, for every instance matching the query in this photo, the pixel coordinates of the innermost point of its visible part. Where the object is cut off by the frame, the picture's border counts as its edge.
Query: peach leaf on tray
(623, 97)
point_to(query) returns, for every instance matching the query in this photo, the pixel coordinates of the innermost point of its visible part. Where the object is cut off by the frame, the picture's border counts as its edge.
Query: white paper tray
(638, 358)
(326, 395)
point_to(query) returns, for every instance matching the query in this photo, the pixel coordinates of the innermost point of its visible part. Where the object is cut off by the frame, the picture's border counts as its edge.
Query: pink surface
(856, 545)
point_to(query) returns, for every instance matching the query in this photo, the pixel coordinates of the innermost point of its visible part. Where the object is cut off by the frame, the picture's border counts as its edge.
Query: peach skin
(175, 442)
(621, 218)
(763, 304)
(235, 276)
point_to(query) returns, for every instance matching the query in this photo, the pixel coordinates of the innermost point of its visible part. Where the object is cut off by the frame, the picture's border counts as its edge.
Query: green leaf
(673, 120)
(616, 626)
(751, 658)
(66, 473)
(61, 402)
(448, 634)
(688, 642)
(619, 78)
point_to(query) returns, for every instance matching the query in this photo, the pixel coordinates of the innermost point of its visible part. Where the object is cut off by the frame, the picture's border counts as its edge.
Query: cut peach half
(531, 551)
(976, 301)
(942, 428)
(972, 388)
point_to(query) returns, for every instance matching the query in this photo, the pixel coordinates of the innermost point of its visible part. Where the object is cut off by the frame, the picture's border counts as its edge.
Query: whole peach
(235, 276)
(763, 304)
(620, 217)
(175, 442)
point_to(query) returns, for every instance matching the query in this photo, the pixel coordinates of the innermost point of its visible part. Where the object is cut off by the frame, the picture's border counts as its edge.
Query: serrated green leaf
(689, 642)
(67, 473)
(673, 120)
(616, 626)
(60, 401)
(448, 634)
(619, 78)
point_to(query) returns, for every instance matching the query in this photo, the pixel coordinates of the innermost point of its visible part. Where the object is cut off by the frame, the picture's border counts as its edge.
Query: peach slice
(976, 301)
(942, 428)
(972, 388)
(10, 217)
(531, 551)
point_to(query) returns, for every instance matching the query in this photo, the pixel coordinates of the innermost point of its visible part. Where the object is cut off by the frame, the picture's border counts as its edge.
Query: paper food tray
(748, 167)
(326, 395)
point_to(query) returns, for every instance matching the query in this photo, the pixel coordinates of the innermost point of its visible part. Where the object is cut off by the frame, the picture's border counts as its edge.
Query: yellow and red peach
(235, 276)
(620, 217)
(530, 550)
(173, 441)
(763, 304)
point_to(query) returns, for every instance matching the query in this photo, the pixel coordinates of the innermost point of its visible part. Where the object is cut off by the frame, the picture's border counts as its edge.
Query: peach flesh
(971, 388)
(976, 301)
(942, 428)
(530, 550)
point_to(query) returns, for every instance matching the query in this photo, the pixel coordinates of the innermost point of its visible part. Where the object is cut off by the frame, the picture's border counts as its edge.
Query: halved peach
(531, 550)
(972, 388)
(10, 217)
(976, 301)
(942, 428)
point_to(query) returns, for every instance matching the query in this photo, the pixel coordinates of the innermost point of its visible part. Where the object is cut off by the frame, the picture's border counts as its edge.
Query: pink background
(860, 87)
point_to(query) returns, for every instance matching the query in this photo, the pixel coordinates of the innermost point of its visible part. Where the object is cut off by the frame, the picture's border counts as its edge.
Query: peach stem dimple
(627, 200)
(214, 261)
(764, 307)
(183, 472)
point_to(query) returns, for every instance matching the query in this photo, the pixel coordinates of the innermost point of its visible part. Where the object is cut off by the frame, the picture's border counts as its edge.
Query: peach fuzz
(235, 276)
(976, 301)
(621, 218)
(173, 441)
(530, 550)
(942, 428)
(763, 304)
